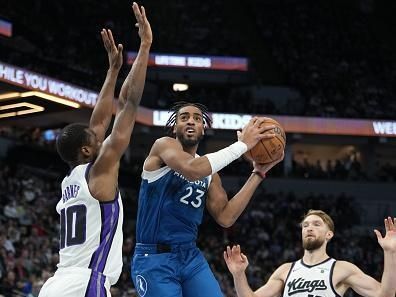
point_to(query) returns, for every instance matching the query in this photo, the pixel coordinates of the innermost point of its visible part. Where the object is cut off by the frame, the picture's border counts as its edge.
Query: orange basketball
(268, 150)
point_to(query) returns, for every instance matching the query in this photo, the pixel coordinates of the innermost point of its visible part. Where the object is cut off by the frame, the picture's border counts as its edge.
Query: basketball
(269, 150)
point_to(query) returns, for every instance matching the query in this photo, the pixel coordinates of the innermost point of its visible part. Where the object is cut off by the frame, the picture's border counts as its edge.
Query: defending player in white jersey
(316, 274)
(90, 208)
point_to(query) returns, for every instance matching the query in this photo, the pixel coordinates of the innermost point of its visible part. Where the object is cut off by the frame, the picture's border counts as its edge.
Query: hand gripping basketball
(271, 149)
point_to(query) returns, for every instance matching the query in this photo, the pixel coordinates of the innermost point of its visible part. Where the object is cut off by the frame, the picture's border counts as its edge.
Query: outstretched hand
(236, 261)
(388, 243)
(145, 33)
(113, 52)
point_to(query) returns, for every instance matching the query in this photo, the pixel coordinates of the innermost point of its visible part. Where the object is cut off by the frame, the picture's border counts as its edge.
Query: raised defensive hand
(388, 243)
(113, 52)
(235, 260)
(145, 33)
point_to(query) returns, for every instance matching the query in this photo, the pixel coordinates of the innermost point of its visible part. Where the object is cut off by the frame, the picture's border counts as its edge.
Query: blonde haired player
(316, 274)
(91, 215)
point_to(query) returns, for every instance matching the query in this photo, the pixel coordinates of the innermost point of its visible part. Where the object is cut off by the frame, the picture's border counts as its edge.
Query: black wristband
(262, 175)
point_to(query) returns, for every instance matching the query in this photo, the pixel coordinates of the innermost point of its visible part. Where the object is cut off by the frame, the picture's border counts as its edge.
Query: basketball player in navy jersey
(91, 213)
(316, 274)
(176, 186)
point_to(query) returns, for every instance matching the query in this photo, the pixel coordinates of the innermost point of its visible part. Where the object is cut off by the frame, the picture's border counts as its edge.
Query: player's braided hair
(175, 108)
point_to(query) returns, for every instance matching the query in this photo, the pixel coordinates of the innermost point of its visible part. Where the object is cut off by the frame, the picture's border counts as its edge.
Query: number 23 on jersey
(192, 197)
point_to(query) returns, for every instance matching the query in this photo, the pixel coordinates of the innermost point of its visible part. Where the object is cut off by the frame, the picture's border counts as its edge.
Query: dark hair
(175, 108)
(70, 140)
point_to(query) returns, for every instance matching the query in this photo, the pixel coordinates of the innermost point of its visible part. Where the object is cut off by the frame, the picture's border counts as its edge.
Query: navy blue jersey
(170, 208)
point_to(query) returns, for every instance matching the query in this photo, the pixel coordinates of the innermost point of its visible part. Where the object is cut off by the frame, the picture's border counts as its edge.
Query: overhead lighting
(51, 98)
(10, 95)
(15, 95)
(32, 108)
(180, 87)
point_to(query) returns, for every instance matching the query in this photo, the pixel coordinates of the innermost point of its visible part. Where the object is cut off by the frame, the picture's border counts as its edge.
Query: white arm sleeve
(225, 156)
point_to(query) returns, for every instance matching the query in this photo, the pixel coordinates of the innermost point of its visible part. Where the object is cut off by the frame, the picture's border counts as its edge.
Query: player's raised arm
(170, 150)
(104, 172)
(388, 244)
(132, 88)
(237, 263)
(364, 284)
(131, 91)
(102, 113)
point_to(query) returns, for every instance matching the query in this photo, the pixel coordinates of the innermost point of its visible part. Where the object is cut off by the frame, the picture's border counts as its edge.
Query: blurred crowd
(28, 228)
(334, 170)
(338, 55)
(345, 169)
(342, 169)
(268, 232)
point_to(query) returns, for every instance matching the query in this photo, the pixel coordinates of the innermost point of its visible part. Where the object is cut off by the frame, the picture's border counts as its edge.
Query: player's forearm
(388, 282)
(132, 88)
(102, 113)
(198, 168)
(238, 203)
(241, 285)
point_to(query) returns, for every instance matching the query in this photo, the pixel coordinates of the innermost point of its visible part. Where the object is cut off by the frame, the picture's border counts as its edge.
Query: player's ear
(86, 151)
(329, 235)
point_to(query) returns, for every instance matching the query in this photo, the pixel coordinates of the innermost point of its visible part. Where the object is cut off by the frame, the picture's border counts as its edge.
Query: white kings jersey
(310, 281)
(90, 230)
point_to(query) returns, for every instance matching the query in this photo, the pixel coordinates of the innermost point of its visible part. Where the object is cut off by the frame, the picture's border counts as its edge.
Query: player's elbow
(119, 140)
(120, 104)
(225, 222)
(380, 290)
(132, 102)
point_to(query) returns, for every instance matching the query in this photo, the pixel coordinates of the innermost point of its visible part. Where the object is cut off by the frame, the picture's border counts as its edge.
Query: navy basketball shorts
(180, 272)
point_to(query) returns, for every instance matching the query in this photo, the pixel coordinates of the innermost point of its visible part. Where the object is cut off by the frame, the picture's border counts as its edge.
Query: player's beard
(187, 141)
(312, 244)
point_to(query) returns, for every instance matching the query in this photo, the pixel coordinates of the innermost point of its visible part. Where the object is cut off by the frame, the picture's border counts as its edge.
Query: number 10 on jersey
(73, 225)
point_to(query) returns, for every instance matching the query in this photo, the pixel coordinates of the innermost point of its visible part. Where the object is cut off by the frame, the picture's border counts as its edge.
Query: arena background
(324, 69)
